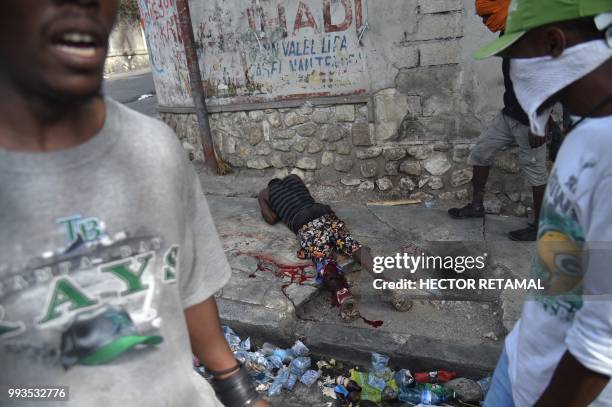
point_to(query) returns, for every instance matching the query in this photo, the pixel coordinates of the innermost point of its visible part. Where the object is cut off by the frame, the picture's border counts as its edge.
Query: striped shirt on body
(292, 202)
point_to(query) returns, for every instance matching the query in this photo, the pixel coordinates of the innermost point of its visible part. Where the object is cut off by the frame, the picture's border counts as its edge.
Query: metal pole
(197, 90)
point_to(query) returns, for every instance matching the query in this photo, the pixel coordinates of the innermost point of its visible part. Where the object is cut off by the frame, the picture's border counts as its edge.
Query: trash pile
(275, 369)
(271, 367)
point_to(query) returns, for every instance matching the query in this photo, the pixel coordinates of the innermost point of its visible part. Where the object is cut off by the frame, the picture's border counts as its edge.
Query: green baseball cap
(101, 335)
(524, 15)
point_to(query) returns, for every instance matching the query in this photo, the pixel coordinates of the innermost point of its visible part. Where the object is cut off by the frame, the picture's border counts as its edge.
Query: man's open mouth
(77, 44)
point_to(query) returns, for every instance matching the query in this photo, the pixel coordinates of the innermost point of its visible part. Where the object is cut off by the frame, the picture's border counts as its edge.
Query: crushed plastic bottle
(245, 345)
(376, 382)
(297, 367)
(279, 357)
(232, 339)
(268, 349)
(379, 362)
(350, 385)
(380, 370)
(421, 396)
(241, 356)
(300, 364)
(389, 394)
(299, 349)
(430, 398)
(257, 361)
(275, 361)
(341, 392)
(262, 377)
(279, 382)
(309, 377)
(412, 396)
(367, 392)
(435, 394)
(291, 381)
(404, 379)
(284, 354)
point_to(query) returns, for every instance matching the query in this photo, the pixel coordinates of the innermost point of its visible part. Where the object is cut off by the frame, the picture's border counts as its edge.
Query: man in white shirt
(560, 351)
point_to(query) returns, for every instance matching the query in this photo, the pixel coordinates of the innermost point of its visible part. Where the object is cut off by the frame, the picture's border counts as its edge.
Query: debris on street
(274, 370)
(395, 203)
(145, 96)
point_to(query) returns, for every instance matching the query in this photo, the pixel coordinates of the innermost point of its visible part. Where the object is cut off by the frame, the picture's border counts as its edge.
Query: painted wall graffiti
(166, 53)
(258, 50)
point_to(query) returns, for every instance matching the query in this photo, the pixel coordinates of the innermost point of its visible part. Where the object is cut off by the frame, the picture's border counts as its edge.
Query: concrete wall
(277, 50)
(401, 121)
(127, 49)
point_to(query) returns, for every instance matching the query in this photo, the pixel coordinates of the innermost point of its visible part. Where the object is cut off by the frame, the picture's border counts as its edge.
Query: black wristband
(217, 373)
(236, 390)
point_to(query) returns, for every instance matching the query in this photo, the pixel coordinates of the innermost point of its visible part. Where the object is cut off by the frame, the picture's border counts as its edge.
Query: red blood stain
(295, 272)
(375, 324)
(267, 263)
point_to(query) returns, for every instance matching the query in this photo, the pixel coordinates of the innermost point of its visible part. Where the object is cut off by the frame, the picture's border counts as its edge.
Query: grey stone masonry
(409, 137)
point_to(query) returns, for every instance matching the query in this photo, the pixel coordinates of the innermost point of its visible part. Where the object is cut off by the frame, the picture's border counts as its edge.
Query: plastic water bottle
(376, 382)
(404, 379)
(379, 362)
(279, 381)
(428, 397)
(279, 356)
(268, 349)
(299, 349)
(291, 381)
(411, 396)
(309, 377)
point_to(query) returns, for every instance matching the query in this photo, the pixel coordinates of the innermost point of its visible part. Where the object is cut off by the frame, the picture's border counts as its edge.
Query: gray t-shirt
(102, 246)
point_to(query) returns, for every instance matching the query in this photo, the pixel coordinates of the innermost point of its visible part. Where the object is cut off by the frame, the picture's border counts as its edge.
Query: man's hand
(266, 211)
(536, 141)
(208, 342)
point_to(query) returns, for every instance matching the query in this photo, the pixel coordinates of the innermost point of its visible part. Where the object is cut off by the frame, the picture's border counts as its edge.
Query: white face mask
(537, 79)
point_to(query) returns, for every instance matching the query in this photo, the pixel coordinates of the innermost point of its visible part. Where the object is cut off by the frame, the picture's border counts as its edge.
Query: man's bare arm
(572, 385)
(266, 211)
(208, 342)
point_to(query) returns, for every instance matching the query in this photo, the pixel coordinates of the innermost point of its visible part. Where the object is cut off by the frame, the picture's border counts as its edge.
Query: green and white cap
(524, 15)
(101, 335)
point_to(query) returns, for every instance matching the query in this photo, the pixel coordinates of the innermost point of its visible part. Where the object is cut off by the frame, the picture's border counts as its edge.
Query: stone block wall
(410, 137)
(338, 146)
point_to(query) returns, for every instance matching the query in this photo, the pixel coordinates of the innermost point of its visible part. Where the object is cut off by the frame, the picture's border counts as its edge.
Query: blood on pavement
(295, 272)
(267, 263)
(375, 324)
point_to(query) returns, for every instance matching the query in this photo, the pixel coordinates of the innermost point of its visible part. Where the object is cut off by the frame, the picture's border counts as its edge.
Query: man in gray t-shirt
(109, 257)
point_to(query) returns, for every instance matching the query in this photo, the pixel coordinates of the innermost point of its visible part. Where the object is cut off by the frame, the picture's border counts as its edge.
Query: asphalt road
(134, 89)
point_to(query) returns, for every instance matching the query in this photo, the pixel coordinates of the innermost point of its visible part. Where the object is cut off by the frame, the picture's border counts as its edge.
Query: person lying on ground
(109, 257)
(321, 234)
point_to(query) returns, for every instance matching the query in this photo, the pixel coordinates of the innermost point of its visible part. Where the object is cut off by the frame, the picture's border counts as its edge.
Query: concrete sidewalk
(272, 296)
